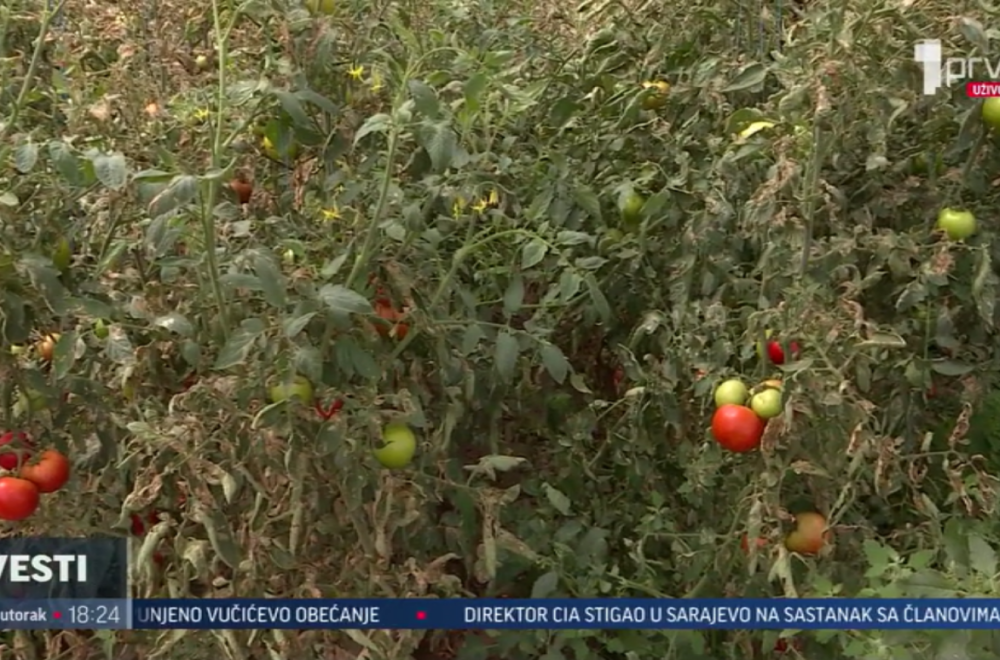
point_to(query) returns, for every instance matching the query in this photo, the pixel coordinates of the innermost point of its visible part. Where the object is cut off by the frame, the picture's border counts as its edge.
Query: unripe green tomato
(766, 404)
(300, 388)
(101, 329)
(321, 7)
(731, 391)
(62, 256)
(400, 445)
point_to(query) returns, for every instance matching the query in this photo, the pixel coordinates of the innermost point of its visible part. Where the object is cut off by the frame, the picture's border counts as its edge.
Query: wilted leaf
(175, 322)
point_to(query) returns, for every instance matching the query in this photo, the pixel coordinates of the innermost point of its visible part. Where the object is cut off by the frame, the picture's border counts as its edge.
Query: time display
(96, 615)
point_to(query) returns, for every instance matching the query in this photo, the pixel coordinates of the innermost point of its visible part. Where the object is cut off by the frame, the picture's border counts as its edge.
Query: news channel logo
(940, 71)
(63, 568)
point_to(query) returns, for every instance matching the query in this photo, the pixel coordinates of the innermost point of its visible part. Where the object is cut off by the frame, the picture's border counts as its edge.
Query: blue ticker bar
(570, 614)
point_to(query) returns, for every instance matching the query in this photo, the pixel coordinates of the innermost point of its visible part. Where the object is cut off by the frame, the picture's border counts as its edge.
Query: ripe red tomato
(391, 316)
(139, 526)
(14, 449)
(737, 428)
(745, 543)
(784, 644)
(18, 498)
(777, 354)
(50, 473)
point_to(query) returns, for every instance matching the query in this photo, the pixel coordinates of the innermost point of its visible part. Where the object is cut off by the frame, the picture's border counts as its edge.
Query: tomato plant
(18, 498)
(50, 473)
(737, 428)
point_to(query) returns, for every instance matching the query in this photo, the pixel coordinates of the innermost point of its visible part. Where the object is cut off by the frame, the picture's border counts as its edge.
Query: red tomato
(391, 327)
(777, 354)
(18, 498)
(14, 450)
(745, 543)
(737, 428)
(50, 473)
(784, 644)
(139, 526)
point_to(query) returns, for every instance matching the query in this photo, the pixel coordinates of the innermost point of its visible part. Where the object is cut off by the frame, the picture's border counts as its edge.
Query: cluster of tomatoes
(741, 414)
(22, 488)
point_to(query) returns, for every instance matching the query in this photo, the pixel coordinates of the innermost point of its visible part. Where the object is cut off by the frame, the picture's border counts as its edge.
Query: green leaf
(982, 557)
(45, 278)
(66, 163)
(272, 281)
(513, 297)
(533, 252)
(879, 558)
(26, 157)
(587, 199)
(425, 100)
(507, 350)
(440, 142)
(291, 105)
(181, 190)
(341, 299)
(64, 354)
(751, 75)
(570, 238)
(471, 338)
(557, 499)
(601, 304)
(293, 326)
(111, 170)
(240, 343)
(555, 362)
(545, 585)
(375, 124)
(952, 368)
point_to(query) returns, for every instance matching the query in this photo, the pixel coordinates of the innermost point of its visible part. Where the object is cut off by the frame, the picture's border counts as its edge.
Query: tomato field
(435, 299)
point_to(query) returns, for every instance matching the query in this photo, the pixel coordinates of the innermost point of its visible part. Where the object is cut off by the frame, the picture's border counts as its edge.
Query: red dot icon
(421, 616)
(57, 615)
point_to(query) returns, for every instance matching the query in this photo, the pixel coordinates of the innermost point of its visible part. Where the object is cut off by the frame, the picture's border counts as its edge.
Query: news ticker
(496, 614)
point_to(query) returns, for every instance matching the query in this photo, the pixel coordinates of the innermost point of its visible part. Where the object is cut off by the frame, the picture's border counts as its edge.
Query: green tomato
(400, 444)
(300, 388)
(630, 206)
(29, 401)
(101, 329)
(62, 255)
(991, 112)
(323, 7)
(732, 391)
(956, 224)
(767, 404)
